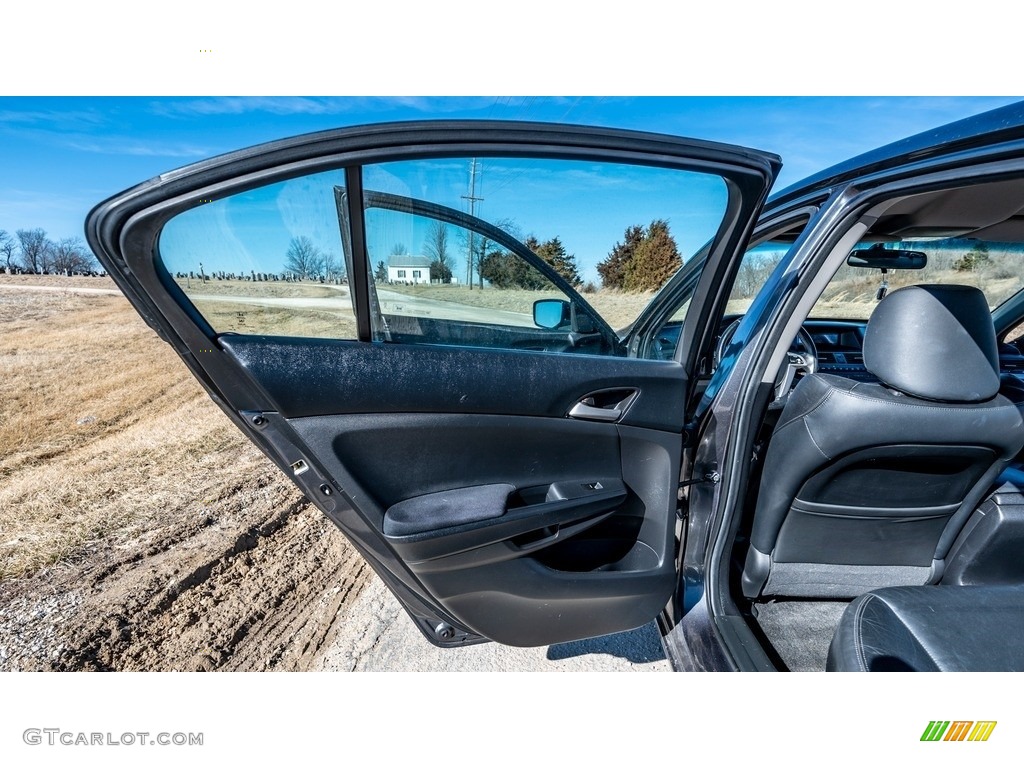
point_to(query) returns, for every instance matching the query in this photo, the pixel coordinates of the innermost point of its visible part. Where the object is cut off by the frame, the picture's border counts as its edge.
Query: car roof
(996, 126)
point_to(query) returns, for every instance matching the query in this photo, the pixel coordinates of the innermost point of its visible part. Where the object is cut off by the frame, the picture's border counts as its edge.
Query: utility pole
(473, 200)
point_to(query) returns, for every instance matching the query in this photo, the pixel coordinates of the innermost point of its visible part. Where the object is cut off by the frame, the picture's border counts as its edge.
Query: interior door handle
(606, 405)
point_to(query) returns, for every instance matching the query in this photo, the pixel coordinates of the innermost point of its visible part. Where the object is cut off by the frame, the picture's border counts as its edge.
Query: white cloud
(119, 145)
(53, 118)
(305, 105)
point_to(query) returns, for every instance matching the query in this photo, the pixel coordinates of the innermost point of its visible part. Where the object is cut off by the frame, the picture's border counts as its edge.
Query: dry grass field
(325, 311)
(131, 506)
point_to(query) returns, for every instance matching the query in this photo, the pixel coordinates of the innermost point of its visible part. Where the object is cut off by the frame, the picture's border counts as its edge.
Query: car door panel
(453, 436)
(558, 565)
(304, 377)
(393, 457)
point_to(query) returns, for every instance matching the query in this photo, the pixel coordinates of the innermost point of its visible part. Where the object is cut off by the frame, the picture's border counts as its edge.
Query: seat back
(866, 485)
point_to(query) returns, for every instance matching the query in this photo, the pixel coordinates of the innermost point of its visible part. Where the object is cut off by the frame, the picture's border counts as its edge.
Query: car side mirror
(552, 313)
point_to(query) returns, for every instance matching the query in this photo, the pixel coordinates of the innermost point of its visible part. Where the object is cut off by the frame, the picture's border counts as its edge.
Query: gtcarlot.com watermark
(57, 737)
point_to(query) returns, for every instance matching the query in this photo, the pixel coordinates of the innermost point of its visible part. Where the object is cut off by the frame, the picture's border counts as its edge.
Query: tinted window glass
(522, 253)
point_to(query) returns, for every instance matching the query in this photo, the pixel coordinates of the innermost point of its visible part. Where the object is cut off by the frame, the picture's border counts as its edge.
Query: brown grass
(273, 290)
(227, 316)
(851, 293)
(617, 308)
(105, 434)
(58, 281)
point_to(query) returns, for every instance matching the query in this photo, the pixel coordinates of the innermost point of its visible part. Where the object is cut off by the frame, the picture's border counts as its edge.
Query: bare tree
(436, 249)
(303, 258)
(71, 255)
(36, 249)
(478, 247)
(334, 267)
(7, 249)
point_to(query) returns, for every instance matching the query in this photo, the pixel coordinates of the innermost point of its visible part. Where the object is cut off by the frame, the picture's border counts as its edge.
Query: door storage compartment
(587, 552)
(612, 545)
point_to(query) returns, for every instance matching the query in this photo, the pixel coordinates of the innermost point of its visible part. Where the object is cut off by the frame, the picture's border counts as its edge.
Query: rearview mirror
(880, 257)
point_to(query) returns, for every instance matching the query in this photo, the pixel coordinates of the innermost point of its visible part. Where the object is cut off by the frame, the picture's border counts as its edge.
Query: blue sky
(61, 155)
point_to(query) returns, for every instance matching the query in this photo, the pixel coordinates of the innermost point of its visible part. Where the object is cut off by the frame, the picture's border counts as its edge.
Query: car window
(995, 268)
(522, 253)
(612, 233)
(266, 261)
(757, 264)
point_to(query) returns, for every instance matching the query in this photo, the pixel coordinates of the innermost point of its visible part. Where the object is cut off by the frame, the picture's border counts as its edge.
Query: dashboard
(840, 347)
(838, 344)
(839, 350)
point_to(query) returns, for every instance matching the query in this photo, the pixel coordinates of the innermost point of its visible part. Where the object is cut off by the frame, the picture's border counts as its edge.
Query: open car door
(391, 314)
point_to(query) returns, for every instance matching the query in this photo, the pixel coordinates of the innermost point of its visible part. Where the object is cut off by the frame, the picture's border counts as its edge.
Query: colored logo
(958, 730)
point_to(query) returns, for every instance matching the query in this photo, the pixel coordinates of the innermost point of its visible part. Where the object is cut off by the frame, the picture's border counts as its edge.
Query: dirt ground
(256, 586)
(139, 530)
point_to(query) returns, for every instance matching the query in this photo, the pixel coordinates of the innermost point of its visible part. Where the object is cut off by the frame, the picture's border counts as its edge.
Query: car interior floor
(800, 630)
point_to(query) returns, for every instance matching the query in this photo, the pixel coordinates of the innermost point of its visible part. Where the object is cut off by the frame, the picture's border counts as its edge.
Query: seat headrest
(935, 342)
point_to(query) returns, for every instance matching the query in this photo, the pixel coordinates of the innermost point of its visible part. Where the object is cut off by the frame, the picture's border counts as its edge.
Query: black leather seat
(866, 485)
(931, 629)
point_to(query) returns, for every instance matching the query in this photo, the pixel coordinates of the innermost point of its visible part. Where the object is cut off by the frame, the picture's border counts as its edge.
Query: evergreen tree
(655, 260)
(613, 269)
(969, 262)
(644, 261)
(554, 253)
(504, 269)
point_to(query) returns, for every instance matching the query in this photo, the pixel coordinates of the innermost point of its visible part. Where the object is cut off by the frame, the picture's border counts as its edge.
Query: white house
(408, 269)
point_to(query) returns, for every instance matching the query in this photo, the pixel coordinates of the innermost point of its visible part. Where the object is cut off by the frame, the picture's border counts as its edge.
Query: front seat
(867, 485)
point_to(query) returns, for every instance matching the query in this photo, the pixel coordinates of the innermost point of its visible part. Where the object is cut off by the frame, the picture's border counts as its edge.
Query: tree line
(645, 259)
(504, 269)
(32, 251)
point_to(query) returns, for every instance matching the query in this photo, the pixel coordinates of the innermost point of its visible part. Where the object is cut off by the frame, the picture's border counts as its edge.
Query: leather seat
(931, 629)
(866, 485)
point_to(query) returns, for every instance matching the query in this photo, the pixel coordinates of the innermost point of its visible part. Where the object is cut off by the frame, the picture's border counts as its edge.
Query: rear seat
(931, 629)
